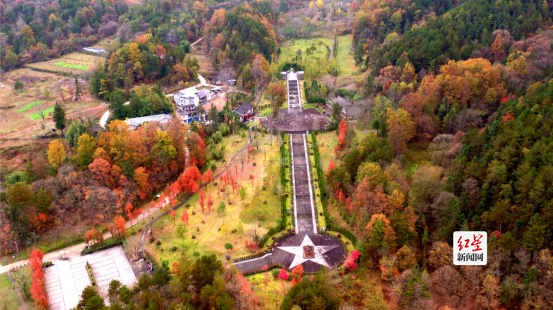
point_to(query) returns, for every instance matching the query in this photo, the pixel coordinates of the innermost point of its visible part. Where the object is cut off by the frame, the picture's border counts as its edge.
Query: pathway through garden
(306, 247)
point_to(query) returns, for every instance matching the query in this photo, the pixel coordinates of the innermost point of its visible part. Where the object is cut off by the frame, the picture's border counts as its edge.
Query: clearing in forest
(319, 47)
(74, 63)
(20, 110)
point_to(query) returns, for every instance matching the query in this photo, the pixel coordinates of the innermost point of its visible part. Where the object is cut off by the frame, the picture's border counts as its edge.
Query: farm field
(30, 105)
(74, 63)
(20, 111)
(41, 114)
(256, 209)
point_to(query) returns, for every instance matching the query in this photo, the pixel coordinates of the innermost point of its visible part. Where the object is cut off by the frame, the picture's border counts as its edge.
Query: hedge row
(110, 243)
(269, 268)
(320, 180)
(256, 255)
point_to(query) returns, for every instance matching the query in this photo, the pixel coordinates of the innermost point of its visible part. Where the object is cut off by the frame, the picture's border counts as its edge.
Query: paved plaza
(66, 280)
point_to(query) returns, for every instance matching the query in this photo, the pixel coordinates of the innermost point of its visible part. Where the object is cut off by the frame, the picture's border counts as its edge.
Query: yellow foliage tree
(56, 153)
(400, 129)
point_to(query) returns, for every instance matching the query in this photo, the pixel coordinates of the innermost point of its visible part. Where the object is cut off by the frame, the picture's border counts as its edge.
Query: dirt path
(197, 41)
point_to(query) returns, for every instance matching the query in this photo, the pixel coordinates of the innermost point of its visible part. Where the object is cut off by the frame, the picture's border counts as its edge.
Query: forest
(453, 134)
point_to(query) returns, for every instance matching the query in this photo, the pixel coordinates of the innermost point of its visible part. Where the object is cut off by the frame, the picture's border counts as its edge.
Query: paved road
(76, 250)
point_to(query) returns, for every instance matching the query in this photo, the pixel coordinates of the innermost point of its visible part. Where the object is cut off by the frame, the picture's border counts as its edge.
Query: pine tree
(59, 117)
(78, 91)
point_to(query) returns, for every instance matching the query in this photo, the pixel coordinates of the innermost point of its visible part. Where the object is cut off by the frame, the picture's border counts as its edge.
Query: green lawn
(38, 115)
(290, 48)
(344, 58)
(265, 112)
(30, 105)
(72, 66)
(9, 298)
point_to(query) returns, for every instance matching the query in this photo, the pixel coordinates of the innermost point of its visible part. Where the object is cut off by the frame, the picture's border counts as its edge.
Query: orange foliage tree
(101, 171)
(141, 176)
(38, 291)
(119, 223)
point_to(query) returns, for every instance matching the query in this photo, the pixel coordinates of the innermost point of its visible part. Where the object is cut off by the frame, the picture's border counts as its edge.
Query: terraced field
(74, 63)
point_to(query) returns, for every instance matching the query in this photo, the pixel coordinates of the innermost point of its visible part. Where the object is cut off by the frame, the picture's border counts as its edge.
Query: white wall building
(187, 98)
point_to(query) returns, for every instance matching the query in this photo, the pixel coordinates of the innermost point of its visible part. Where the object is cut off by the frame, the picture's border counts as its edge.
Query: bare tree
(253, 231)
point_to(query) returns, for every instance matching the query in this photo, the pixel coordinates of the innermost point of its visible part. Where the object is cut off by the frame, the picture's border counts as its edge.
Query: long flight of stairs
(294, 98)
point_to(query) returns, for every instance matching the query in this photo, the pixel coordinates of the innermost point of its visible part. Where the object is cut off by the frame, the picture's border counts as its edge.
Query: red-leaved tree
(38, 291)
(342, 133)
(208, 176)
(209, 202)
(350, 262)
(330, 167)
(184, 216)
(202, 199)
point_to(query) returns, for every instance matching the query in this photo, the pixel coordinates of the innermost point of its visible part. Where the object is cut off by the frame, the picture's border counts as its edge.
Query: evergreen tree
(18, 85)
(336, 112)
(78, 91)
(59, 117)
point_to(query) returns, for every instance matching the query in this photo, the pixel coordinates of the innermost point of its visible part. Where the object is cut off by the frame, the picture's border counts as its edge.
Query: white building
(187, 98)
(94, 50)
(133, 123)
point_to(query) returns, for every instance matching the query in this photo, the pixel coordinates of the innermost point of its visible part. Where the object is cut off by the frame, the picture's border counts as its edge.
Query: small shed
(349, 110)
(244, 112)
(204, 94)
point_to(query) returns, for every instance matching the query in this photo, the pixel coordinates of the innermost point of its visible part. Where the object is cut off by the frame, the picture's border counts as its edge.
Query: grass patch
(9, 298)
(72, 66)
(321, 221)
(30, 105)
(417, 154)
(344, 56)
(44, 112)
(326, 142)
(363, 289)
(265, 112)
(290, 48)
(308, 106)
(270, 291)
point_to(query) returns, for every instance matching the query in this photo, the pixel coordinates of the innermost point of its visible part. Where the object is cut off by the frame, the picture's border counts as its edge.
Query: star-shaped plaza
(300, 255)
